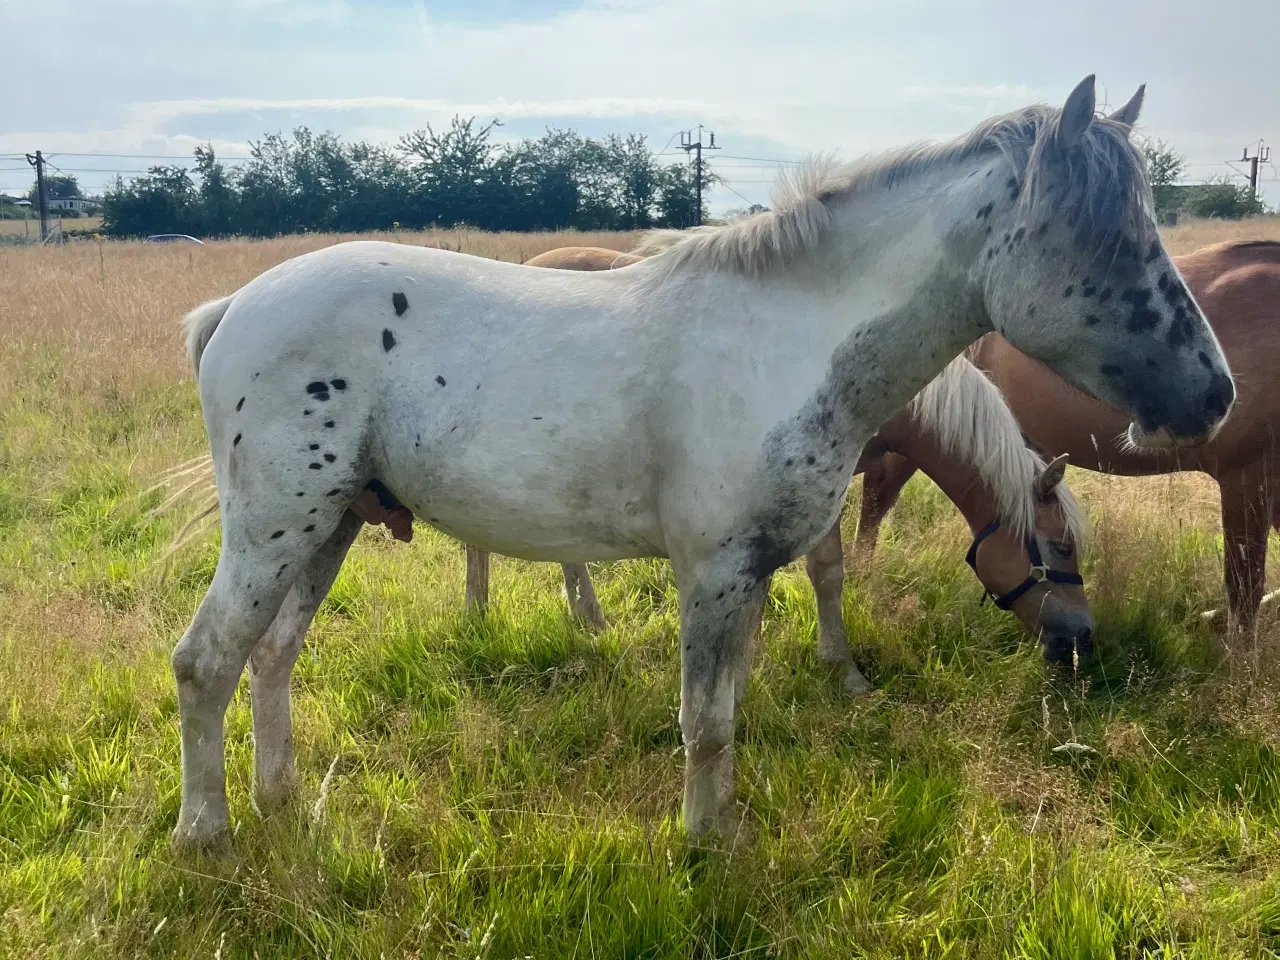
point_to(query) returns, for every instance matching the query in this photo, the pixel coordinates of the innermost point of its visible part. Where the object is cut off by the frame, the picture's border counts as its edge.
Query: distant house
(71, 204)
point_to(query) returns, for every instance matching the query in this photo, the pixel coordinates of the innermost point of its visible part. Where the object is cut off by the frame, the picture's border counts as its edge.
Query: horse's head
(1074, 273)
(1038, 578)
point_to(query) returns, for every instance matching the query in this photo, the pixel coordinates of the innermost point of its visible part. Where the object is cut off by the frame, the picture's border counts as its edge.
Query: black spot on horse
(1005, 239)
(1105, 295)
(315, 446)
(1204, 360)
(322, 397)
(985, 211)
(1163, 282)
(809, 460)
(236, 441)
(314, 466)
(400, 302)
(1042, 229)
(1019, 234)
(309, 528)
(334, 492)
(329, 424)
(1092, 320)
(1068, 292)
(1181, 330)
(1153, 254)
(329, 458)
(1112, 370)
(240, 404)
(388, 339)
(317, 386)
(440, 380)
(1087, 290)
(338, 384)
(312, 511)
(300, 493)
(277, 535)
(306, 413)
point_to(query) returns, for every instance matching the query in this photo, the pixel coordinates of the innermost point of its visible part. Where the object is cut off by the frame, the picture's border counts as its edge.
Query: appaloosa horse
(1238, 287)
(708, 405)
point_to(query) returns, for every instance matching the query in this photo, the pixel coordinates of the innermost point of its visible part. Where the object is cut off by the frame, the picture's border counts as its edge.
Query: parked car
(172, 238)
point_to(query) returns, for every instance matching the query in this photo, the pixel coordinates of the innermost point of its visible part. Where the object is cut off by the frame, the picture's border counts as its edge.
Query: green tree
(1165, 167)
(57, 186)
(1223, 199)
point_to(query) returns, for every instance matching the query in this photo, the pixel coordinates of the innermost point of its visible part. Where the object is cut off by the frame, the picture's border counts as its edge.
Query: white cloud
(787, 78)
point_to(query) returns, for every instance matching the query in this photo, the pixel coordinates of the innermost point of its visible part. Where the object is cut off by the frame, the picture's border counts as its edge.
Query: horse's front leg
(825, 566)
(718, 615)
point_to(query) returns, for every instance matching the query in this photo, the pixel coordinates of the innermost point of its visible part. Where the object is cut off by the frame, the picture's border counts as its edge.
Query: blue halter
(1040, 572)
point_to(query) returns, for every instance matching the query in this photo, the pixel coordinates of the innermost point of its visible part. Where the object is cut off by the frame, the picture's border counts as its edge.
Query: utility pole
(687, 143)
(1261, 154)
(37, 161)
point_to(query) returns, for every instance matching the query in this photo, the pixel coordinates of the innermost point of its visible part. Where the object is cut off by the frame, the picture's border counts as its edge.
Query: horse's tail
(200, 324)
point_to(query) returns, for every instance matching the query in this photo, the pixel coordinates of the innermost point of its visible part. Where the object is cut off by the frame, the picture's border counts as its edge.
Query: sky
(777, 80)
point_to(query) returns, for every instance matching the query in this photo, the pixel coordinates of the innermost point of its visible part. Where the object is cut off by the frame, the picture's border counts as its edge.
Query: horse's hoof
(855, 684)
(594, 618)
(210, 845)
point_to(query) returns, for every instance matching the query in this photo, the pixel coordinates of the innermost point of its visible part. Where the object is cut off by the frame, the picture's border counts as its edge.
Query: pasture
(509, 787)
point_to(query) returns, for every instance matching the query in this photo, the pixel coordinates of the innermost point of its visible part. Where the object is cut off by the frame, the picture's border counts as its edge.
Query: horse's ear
(1077, 113)
(1128, 114)
(1050, 477)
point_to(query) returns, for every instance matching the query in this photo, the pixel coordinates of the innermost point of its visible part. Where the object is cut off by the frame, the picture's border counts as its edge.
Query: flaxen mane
(1106, 192)
(968, 415)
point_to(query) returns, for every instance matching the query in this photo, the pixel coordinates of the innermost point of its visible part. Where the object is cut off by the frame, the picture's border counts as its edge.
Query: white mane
(969, 416)
(1109, 189)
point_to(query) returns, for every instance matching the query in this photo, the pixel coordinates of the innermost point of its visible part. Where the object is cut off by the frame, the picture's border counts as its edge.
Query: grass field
(510, 787)
(15, 228)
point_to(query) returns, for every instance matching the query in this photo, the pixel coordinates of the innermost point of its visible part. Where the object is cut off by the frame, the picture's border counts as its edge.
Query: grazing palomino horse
(583, 258)
(1238, 287)
(708, 405)
(961, 433)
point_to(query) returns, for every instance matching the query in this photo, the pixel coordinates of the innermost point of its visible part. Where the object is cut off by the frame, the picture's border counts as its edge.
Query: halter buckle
(1040, 572)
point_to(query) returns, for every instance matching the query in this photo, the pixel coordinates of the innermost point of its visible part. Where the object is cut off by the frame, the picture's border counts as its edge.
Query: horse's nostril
(1218, 400)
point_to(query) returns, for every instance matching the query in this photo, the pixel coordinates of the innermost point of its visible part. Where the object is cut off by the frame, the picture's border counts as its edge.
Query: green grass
(510, 787)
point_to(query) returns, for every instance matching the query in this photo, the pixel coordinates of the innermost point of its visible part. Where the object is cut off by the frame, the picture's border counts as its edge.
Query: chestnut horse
(1237, 285)
(1050, 603)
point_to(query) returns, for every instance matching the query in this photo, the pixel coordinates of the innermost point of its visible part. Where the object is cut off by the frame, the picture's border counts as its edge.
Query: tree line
(452, 177)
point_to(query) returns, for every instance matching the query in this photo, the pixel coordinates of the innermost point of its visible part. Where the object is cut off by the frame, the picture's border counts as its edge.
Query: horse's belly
(520, 493)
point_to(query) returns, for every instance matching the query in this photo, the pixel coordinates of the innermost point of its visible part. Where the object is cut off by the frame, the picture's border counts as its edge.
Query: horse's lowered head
(1074, 273)
(1037, 576)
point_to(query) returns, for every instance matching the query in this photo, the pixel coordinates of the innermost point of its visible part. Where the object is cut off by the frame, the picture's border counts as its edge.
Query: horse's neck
(961, 482)
(902, 260)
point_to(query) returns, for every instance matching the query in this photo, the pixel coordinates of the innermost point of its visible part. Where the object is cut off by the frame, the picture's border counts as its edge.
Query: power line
(147, 156)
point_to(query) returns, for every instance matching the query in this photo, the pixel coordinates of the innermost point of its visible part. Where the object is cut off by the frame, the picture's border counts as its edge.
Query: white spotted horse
(708, 405)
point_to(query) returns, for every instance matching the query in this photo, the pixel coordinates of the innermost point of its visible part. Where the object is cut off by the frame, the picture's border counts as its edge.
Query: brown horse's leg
(477, 580)
(825, 566)
(882, 482)
(1246, 521)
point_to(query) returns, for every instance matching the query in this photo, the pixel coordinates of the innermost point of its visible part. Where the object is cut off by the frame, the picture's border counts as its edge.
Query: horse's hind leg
(271, 665)
(477, 600)
(242, 601)
(582, 595)
(825, 566)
